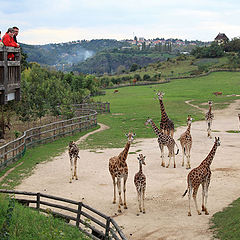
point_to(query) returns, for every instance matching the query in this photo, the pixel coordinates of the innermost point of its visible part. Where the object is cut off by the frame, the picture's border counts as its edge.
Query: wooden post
(38, 201)
(107, 228)
(79, 214)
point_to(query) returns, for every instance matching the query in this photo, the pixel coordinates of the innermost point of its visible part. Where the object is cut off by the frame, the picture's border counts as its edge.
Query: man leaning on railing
(8, 41)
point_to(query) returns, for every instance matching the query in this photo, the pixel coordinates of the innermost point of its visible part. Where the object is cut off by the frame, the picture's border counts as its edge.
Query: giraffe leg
(75, 168)
(71, 169)
(114, 189)
(174, 160)
(206, 196)
(203, 196)
(195, 199)
(119, 193)
(188, 159)
(143, 198)
(170, 154)
(162, 154)
(189, 200)
(183, 153)
(139, 200)
(124, 192)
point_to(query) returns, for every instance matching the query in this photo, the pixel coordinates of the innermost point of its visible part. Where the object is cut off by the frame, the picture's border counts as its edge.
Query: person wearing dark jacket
(16, 30)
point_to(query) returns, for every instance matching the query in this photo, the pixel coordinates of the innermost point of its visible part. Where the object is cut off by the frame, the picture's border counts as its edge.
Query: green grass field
(131, 106)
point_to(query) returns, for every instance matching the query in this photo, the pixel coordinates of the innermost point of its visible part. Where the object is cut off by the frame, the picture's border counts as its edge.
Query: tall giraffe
(201, 175)
(166, 124)
(73, 152)
(118, 169)
(209, 117)
(140, 183)
(186, 142)
(164, 140)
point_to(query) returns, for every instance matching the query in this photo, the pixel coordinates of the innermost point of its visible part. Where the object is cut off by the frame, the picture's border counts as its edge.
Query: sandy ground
(166, 211)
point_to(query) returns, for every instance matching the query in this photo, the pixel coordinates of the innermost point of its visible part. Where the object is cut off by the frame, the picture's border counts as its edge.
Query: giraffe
(140, 183)
(118, 169)
(186, 142)
(166, 124)
(201, 175)
(73, 152)
(164, 140)
(209, 117)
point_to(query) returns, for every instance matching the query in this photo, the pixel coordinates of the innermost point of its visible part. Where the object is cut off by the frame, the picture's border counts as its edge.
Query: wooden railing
(93, 223)
(10, 74)
(14, 150)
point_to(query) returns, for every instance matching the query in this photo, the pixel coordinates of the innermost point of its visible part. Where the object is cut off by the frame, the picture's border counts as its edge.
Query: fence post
(79, 214)
(107, 228)
(38, 201)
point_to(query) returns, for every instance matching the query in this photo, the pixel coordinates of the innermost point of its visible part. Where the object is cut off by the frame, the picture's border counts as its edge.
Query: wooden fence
(93, 223)
(87, 119)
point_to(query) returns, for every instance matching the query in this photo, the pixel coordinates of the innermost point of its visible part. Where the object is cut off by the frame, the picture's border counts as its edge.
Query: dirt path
(166, 211)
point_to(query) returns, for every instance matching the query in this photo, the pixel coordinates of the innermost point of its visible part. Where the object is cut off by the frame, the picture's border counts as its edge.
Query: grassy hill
(131, 106)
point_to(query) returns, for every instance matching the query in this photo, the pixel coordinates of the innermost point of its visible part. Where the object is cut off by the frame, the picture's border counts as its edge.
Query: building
(221, 38)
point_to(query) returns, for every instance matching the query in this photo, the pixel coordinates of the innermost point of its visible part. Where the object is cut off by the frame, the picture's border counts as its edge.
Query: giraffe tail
(185, 193)
(177, 149)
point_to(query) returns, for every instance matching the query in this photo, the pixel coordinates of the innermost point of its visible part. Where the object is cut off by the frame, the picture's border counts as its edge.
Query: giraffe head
(210, 103)
(160, 95)
(217, 141)
(148, 121)
(141, 159)
(71, 143)
(189, 119)
(130, 136)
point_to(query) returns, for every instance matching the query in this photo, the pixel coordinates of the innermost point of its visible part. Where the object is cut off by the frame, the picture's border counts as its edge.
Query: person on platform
(16, 30)
(9, 42)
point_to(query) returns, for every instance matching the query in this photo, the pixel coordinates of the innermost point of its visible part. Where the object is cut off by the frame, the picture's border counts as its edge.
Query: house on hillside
(221, 38)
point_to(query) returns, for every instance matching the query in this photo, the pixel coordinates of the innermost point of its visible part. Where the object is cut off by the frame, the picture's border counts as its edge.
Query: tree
(134, 67)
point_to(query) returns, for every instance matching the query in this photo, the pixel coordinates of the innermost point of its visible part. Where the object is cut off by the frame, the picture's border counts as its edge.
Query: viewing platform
(10, 75)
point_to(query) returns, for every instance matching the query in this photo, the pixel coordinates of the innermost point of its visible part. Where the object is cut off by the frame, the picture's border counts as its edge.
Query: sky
(56, 21)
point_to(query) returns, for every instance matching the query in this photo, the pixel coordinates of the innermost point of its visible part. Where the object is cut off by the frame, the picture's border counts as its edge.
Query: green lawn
(131, 106)
(226, 224)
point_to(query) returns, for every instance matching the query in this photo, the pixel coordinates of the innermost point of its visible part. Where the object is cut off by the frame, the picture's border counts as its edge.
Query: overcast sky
(55, 21)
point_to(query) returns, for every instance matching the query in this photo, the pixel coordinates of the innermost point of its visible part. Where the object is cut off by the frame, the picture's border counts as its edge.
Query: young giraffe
(201, 175)
(209, 117)
(164, 140)
(166, 124)
(140, 183)
(186, 142)
(73, 152)
(118, 169)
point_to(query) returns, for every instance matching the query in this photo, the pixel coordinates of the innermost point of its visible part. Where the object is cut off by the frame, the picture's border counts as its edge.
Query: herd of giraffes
(118, 168)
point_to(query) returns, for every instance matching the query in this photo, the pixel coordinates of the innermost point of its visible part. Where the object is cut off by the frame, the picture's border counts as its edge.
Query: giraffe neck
(210, 109)
(124, 153)
(188, 128)
(163, 112)
(155, 128)
(140, 168)
(208, 160)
